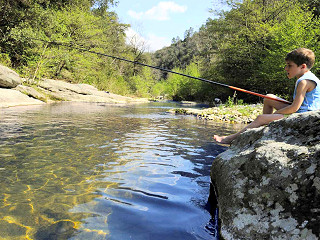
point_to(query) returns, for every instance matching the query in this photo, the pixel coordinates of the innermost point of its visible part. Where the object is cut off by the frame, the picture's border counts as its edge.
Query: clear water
(96, 171)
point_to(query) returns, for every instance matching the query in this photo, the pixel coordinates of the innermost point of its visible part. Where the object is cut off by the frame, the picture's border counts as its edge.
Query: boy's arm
(303, 87)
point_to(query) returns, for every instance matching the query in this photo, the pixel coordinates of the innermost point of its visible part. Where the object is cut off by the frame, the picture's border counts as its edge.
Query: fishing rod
(163, 69)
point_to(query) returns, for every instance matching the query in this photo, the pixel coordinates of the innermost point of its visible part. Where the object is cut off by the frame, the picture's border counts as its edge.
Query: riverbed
(102, 171)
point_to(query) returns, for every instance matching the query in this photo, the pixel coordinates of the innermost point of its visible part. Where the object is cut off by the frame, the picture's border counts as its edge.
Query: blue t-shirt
(311, 100)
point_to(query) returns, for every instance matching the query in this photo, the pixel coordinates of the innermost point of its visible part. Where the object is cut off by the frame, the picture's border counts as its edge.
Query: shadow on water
(210, 152)
(95, 171)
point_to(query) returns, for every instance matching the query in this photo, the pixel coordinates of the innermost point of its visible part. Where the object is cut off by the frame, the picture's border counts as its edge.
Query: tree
(256, 36)
(20, 19)
(180, 54)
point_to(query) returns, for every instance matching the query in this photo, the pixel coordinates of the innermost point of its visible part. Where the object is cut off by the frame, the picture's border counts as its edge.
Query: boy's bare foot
(222, 139)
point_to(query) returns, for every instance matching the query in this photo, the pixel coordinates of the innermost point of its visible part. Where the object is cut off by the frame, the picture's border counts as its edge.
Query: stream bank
(15, 91)
(228, 114)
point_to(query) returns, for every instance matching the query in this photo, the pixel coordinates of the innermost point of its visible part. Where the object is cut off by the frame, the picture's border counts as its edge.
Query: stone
(63, 91)
(31, 92)
(48, 90)
(8, 77)
(10, 98)
(63, 229)
(267, 182)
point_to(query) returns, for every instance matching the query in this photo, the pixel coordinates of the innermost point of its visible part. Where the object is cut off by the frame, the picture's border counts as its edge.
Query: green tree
(180, 88)
(180, 54)
(256, 36)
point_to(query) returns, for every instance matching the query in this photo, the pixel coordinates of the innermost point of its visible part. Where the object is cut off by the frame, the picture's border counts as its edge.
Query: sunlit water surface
(96, 171)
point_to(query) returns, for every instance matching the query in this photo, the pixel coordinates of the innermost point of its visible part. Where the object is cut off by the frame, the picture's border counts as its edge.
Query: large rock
(64, 91)
(268, 181)
(10, 98)
(49, 90)
(8, 77)
(32, 92)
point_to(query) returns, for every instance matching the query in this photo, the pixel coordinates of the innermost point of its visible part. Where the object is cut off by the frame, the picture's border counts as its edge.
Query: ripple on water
(92, 171)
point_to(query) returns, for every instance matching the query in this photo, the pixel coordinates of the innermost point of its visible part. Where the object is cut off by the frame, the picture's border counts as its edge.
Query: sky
(155, 23)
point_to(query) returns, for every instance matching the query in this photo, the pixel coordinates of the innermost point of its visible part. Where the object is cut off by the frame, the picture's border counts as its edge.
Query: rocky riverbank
(230, 114)
(268, 181)
(16, 91)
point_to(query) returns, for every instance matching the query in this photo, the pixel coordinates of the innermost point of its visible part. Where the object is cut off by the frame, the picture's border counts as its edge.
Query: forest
(243, 47)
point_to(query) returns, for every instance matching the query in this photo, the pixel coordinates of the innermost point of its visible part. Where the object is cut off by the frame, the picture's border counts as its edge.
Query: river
(98, 171)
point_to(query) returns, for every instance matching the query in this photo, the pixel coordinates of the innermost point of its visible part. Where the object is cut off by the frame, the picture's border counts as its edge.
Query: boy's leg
(259, 121)
(269, 105)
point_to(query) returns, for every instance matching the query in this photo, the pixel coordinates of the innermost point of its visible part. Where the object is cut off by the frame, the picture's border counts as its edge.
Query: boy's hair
(300, 56)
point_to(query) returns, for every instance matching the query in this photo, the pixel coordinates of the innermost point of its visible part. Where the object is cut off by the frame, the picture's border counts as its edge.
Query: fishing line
(162, 69)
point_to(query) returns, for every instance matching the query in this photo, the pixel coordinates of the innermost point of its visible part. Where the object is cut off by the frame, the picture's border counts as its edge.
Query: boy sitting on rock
(306, 95)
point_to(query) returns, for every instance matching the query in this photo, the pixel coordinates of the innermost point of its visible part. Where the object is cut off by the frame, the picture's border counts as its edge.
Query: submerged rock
(268, 181)
(63, 229)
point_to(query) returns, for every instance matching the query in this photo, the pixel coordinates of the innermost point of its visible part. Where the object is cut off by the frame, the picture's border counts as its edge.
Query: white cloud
(157, 43)
(135, 15)
(159, 12)
(133, 36)
(150, 43)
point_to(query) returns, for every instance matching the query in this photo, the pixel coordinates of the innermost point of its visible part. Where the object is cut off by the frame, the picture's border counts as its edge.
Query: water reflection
(96, 171)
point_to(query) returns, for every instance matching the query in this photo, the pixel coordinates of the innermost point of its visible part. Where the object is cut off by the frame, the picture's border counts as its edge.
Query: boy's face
(293, 70)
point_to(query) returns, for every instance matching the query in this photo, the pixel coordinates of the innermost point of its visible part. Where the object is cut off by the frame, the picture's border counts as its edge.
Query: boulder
(10, 98)
(49, 90)
(32, 92)
(268, 181)
(8, 77)
(64, 91)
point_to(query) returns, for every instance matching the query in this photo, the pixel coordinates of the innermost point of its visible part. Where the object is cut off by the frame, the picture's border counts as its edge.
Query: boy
(306, 95)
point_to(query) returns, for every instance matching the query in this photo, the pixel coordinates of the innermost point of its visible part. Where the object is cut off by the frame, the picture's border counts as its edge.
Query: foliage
(141, 85)
(245, 47)
(257, 36)
(82, 24)
(179, 54)
(178, 87)
(242, 47)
